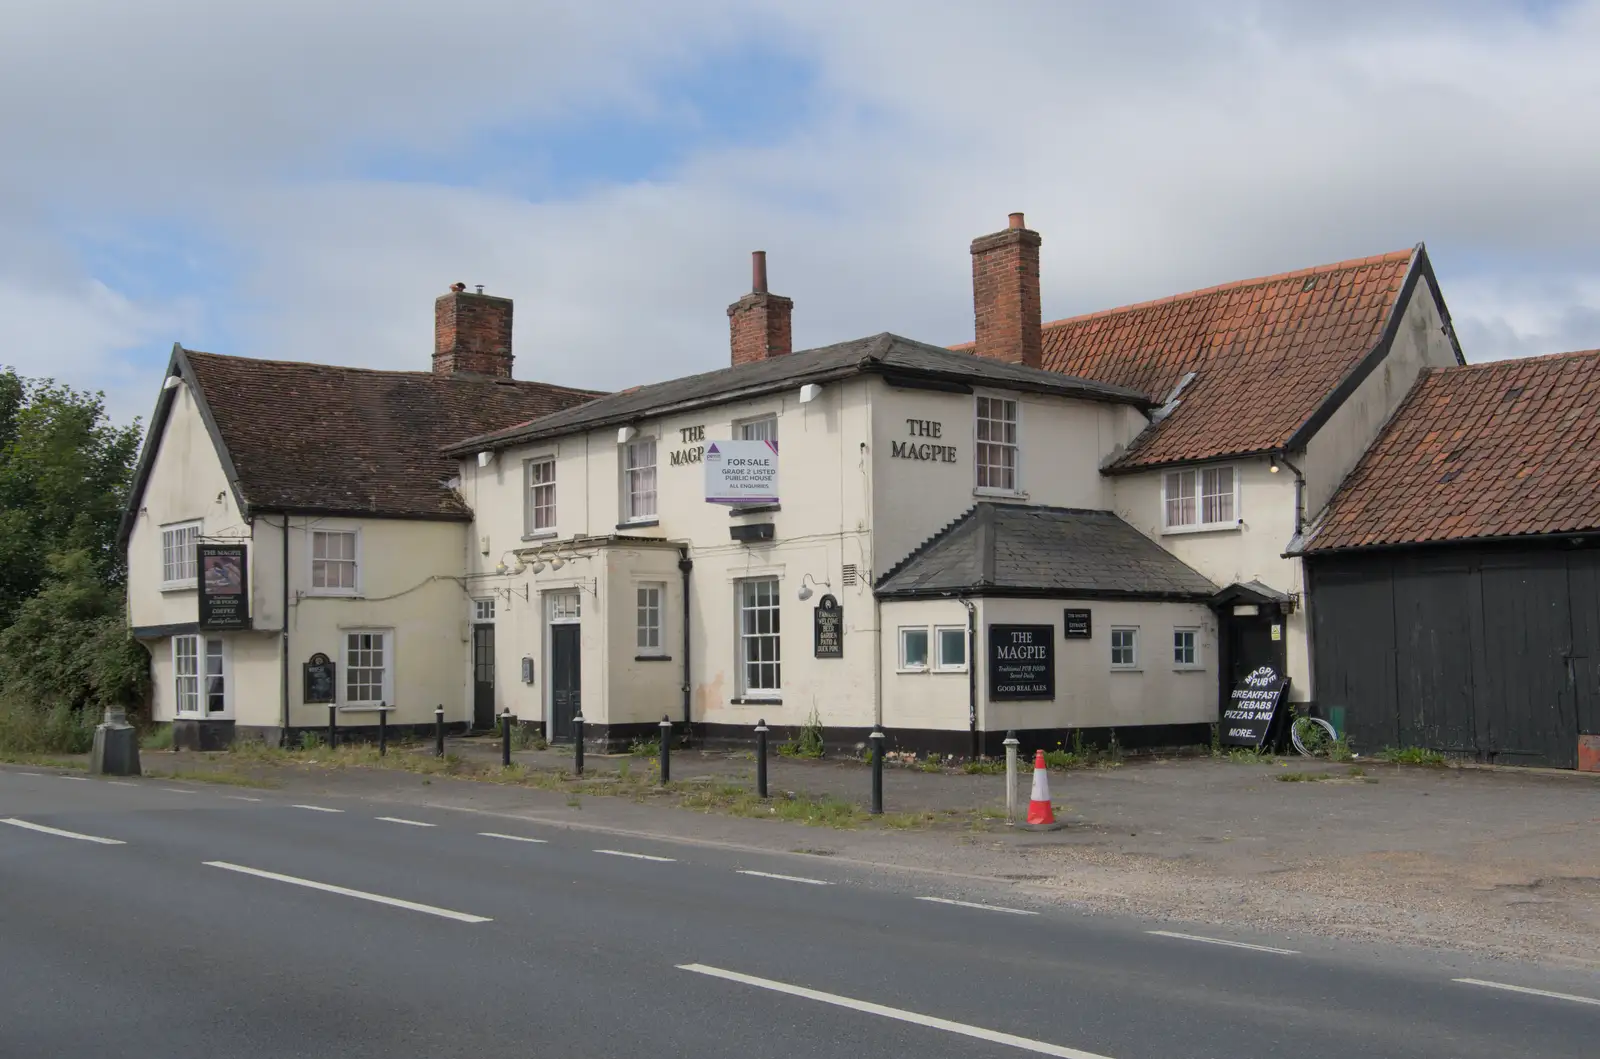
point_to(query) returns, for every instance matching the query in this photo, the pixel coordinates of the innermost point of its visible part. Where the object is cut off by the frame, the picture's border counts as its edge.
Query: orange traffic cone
(1039, 811)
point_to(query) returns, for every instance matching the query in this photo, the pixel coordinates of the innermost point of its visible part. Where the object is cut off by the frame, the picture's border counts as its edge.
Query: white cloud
(1156, 153)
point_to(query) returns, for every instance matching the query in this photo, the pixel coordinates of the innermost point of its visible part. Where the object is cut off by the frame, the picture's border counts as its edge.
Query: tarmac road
(150, 917)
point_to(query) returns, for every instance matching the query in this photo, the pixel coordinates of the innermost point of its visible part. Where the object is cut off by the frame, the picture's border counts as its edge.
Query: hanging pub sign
(318, 679)
(1022, 661)
(742, 472)
(1076, 624)
(224, 586)
(828, 628)
(1252, 707)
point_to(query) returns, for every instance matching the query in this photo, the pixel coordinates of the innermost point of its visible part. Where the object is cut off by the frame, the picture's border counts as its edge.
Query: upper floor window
(997, 444)
(763, 429)
(178, 569)
(540, 516)
(333, 561)
(639, 479)
(1205, 498)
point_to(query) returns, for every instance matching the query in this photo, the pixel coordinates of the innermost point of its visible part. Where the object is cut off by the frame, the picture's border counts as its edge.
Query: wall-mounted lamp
(485, 458)
(172, 382)
(805, 592)
(627, 434)
(810, 392)
(1272, 463)
(503, 569)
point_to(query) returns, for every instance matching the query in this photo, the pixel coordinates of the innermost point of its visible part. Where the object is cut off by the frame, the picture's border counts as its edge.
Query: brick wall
(759, 327)
(1005, 295)
(472, 334)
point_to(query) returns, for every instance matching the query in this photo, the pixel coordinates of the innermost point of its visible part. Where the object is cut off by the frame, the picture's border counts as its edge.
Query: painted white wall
(931, 698)
(1089, 693)
(1334, 450)
(1061, 443)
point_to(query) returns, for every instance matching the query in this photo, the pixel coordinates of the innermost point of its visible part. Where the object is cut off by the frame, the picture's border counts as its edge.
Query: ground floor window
(202, 676)
(952, 646)
(647, 618)
(368, 667)
(914, 649)
(759, 662)
(1186, 648)
(1124, 648)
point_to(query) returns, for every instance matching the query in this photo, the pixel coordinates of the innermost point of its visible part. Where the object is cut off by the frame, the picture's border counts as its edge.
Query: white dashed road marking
(394, 902)
(786, 878)
(984, 908)
(14, 822)
(402, 820)
(317, 808)
(635, 856)
(1223, 941)
(243, 798)
(121, 783)
(512, 838)
(1530, 992)
(85, 779)
(180, 790)
(899, 1014)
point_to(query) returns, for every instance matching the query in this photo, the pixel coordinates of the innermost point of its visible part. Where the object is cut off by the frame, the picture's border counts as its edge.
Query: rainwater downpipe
(283, 675)
(685, 566)
(972, 674)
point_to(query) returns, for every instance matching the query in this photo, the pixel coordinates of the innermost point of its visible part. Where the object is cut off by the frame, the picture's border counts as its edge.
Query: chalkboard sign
(1076, 624)
(319, 679)
(828, 628)
(1022, 661)
(224, 586)
(1252, 707)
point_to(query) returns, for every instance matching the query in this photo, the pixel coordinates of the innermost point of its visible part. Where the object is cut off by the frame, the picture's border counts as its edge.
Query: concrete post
(1011, 778)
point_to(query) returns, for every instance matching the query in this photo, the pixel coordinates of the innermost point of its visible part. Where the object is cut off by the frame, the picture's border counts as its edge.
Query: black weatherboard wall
(1486, 650)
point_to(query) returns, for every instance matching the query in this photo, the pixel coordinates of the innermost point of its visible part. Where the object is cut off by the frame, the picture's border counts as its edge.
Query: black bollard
(383, 730)
(505, 739)
(333, 725)
(577, 743)
(666, 750)
(438, 732)
(761, 758)
(877, 738)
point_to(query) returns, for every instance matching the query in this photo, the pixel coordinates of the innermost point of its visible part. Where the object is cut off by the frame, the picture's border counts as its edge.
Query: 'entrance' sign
(1077, 624)
(224, 586)
(742, 472)
(1252, 707)
(828, 628)
(1022, 661)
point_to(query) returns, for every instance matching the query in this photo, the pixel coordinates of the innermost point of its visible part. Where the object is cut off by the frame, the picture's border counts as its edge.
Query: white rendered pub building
(1076, 527)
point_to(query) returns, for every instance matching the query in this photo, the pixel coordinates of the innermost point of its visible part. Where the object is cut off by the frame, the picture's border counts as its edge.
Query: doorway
(483, 677)
(1252, 637)
(564, 670)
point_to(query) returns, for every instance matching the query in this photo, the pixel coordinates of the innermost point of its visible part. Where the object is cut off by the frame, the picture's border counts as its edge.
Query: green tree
(65, 470)
(64, 475)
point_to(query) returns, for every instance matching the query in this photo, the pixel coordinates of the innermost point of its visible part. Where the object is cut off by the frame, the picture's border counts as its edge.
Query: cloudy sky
(301, 179)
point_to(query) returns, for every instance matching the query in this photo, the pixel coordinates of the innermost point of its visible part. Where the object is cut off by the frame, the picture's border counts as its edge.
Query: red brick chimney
(471, 334)
(1005, 295)
(758, 323)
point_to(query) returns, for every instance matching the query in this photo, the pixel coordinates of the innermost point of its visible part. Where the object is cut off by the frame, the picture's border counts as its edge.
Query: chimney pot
(759, 323)
(471, 334)
(1005, 295)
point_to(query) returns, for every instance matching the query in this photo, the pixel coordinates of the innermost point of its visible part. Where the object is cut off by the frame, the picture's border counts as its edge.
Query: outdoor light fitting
(809, 392)
(805, 592)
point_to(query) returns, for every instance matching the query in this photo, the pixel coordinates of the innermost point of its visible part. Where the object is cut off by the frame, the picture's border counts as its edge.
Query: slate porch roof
(319, 438)
(883, 354)
(1073, 553)
(1269, 355)
(1504, 449)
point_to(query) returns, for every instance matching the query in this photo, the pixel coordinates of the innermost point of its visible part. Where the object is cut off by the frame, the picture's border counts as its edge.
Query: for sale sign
(742, 472)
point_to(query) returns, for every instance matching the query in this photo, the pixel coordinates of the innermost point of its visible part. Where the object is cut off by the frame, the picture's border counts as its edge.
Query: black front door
(566, 698)
(1248, 644)
(483, 676)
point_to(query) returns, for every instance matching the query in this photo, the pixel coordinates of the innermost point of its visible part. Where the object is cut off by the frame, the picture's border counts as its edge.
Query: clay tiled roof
(319, 438)
(1489, 450)
(1266, 353)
